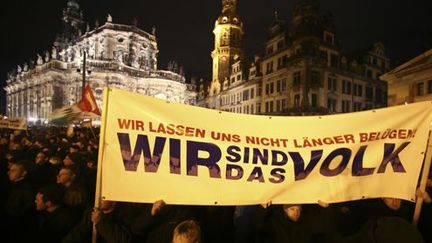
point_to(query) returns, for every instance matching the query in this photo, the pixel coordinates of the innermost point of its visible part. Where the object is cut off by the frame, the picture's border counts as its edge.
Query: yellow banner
(13, 123)
(153, 149)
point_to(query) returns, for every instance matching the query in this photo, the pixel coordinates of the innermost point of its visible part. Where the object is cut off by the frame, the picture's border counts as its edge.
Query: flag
(85, 108)
(65, 115)
(88, 102)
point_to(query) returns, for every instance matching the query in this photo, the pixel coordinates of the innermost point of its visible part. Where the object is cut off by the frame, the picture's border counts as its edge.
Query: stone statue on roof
(39, 60)
(53, 53)
(47, 56)
(109, 18)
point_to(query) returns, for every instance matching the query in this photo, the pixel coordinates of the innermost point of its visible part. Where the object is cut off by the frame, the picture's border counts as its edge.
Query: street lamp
(84, 72)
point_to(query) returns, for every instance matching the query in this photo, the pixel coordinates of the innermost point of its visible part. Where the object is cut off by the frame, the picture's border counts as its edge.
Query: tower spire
(228, 33)
(72, 22)
(229, 6)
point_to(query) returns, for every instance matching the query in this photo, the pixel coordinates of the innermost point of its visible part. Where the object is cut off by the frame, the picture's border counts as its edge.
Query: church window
(297, 100)
(284, 104)
(269, 67)
(420, 89)
(314, 77)
(296, 78)
(331, 104)
(329, 38)
(269, 50)
(314, 100)
(284, 85)
(280, 44)
(346, 106)
(245, 94)
(224, 38)
(429, 86)
(334, 60)
(346, 87)
(280, 63)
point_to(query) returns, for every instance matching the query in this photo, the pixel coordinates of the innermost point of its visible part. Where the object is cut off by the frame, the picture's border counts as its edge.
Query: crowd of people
(47, 193)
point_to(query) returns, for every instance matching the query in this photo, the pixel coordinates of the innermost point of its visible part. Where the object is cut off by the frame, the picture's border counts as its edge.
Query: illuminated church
(114, 55)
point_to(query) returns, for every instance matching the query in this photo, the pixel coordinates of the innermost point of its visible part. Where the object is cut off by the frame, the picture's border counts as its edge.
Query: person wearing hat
(187, 231)
(19, 209)
(386, 230)
(281, 224)
(55, 220)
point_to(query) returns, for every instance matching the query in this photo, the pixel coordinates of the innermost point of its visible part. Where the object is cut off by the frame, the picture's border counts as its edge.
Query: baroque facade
(115, 55)
(303, 71)
(411, 81)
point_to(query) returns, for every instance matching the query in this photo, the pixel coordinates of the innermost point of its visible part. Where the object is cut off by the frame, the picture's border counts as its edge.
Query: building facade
(411, 81)
(115, 55)
(303, 71)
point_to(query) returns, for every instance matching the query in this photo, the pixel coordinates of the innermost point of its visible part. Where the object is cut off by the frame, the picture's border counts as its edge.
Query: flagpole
(84, 72)
(100, 155)
(423, 180)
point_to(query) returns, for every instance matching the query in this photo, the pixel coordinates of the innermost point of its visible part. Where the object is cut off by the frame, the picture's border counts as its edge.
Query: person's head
(187, 231)
(71, 159)
(4, 141)
(14, 156)
(14, 146)
(25, 141)
(392, 203)
(39, 143)
(106, 206)
(18, 171)
(55, 160)
(40, 158)
(66, 176)
(429, 183)
(389, 229)
(292, 211)
(74, 148)
(48, 198)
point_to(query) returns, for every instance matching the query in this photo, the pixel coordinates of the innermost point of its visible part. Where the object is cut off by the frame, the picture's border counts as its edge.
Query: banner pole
(94, 135)
(423, 180)
(100, 154)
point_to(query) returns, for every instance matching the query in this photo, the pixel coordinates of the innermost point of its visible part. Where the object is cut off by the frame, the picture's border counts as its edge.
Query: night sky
(184, 27)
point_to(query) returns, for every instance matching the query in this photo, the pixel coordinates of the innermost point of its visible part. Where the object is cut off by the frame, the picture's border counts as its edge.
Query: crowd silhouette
(47, 193)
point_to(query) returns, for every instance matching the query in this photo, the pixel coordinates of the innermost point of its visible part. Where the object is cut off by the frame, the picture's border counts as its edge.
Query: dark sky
(184, 27)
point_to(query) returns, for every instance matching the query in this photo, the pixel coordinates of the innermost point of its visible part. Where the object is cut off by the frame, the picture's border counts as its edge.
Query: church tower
(72, 23)
(228, 32)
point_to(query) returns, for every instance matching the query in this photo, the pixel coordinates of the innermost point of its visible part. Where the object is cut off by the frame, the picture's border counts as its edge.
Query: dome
(73, 4)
